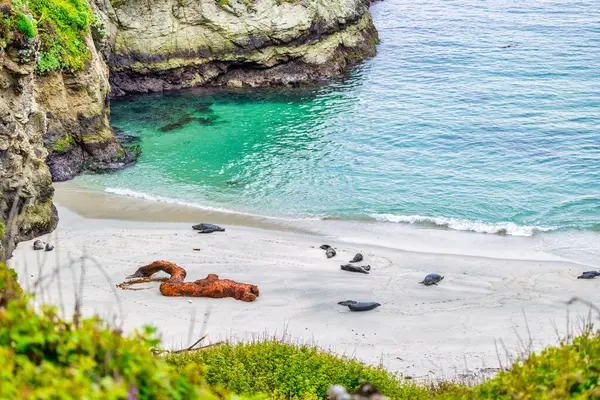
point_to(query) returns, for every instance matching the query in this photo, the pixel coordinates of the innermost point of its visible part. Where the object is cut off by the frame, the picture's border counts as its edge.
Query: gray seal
(330, 252)
(208, 228)
(355, 268)
(360, 306)
(589, 275)
(38, 245)
(432, 279)
(357, 258)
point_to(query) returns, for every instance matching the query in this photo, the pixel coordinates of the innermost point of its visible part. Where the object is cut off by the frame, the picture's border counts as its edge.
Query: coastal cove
(458, 128)
(280, 199)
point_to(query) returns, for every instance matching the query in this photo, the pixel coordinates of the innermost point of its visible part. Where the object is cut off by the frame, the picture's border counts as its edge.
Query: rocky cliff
(159, 45)
(26, 191)
(78, 135)
(60, 62)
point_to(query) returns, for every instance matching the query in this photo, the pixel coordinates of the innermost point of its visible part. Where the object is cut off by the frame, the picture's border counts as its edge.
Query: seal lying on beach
(211, 286)
(208, 228)
(330, 252)
(324, 246)
(355, 268)
(359, 305)
(589, 275)
(357, 258)
(432, 279)
(38, 245)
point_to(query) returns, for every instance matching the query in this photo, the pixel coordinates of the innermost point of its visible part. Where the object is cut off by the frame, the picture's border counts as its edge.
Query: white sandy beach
(492, 284)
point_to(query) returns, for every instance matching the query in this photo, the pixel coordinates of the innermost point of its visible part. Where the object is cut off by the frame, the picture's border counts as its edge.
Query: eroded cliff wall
(26, 191)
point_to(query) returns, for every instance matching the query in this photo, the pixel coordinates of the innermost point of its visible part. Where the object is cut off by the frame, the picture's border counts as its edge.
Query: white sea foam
(168, 200)
(508, 228)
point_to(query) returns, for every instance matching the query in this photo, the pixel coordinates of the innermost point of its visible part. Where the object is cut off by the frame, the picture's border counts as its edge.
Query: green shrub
(63, 28)
(569, 371)
(25, 25)
(62, 145)
(286, 371)
(1, 230)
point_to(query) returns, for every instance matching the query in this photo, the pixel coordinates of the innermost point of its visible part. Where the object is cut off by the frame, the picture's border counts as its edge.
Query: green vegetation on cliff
(60, 26)
(287, 371)
(45, 357)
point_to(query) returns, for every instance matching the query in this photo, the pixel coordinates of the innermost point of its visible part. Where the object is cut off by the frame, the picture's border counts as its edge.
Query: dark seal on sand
(208, 228)
(589, 275)
(432, 279)
(330, 252)
(360, 306)
(357, 258)
(324, 246)
(38, 245)
(355, 268)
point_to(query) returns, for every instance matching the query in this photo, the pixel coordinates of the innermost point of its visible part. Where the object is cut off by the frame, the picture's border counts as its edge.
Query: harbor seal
(330, 252)
(38, 245)
(355, 268)
(357, 258)
(360, 306)
(324, 246)
(432, 279)
(49, 247)
(589, 275)
(346, 302)
(208, 228)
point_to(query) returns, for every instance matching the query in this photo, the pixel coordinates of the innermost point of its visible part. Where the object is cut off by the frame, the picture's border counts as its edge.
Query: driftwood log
(211, 286)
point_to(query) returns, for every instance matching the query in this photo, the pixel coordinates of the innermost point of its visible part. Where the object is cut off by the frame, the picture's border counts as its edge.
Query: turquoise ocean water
(478, 115)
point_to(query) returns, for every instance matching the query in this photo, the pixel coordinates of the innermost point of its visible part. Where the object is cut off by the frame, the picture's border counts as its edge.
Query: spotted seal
(208, 228)
(355, 268)
(357, 258)
(432, 279)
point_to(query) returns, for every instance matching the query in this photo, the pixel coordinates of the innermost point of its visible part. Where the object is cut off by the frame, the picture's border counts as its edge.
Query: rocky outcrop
(78, 135)
(26, 191)
(170, 44)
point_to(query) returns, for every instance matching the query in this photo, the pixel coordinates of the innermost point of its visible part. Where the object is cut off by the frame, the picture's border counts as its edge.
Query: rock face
(26, 191)
(169, 44)
(76, 106)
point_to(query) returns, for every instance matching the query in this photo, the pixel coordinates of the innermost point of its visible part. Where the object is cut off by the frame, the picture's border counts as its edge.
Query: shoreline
(495, 287)
(403, 236)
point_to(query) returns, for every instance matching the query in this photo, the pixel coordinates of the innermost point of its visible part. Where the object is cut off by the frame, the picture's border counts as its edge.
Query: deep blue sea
(478, 115)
